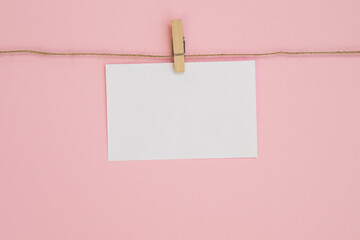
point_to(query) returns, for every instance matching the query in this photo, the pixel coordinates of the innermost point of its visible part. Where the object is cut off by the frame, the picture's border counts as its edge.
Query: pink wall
(56, 182)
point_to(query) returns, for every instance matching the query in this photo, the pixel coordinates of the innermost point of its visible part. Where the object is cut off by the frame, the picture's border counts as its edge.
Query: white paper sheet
(207, 112)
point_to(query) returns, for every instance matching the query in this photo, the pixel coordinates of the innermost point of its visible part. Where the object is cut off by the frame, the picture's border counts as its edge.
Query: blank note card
(207, 112)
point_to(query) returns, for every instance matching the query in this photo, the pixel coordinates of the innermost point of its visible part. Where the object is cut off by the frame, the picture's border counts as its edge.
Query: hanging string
(103, 54)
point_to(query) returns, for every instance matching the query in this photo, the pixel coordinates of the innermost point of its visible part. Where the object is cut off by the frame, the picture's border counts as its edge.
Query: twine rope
(104, 54)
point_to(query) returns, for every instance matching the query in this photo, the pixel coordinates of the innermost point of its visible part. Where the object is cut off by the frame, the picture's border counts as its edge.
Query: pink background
(56, 182)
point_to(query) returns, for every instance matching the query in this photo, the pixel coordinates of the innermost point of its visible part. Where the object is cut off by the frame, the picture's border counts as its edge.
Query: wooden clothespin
(178, 45)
